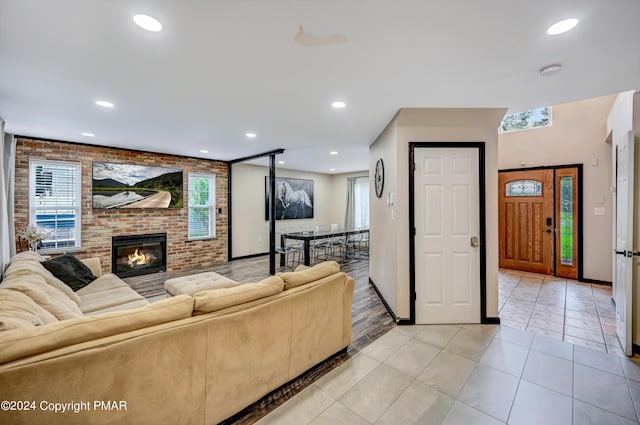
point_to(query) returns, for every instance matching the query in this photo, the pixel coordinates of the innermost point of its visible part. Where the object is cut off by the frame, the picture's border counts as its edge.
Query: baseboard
(398, 320)
(491, 321)
(249, 256)
(597, 282)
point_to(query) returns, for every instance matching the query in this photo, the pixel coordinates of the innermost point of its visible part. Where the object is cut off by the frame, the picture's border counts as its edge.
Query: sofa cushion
(300, 277)
(104, 283)
(20, 343)
(217, 299)
(46, 296)
(93, 263)
(129, 305)
(106, 299)
(20, 311)
(70, 270)
(108, 293)
(29, 268)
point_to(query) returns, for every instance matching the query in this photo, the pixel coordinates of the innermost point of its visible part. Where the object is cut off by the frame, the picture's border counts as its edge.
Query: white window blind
(202, 203)
(54, 202)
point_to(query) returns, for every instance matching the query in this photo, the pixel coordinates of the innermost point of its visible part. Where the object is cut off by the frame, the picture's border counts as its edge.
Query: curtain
(7, 170)
(350, 213)
(361, 216)
(357, 211)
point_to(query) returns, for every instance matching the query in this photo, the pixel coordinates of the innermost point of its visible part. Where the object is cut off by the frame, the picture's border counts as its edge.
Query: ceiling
(222, 68)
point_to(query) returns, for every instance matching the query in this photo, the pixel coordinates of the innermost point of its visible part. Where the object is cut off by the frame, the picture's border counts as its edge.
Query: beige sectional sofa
(183, 360)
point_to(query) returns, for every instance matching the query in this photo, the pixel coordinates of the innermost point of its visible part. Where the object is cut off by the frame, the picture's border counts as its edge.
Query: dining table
(307, 236)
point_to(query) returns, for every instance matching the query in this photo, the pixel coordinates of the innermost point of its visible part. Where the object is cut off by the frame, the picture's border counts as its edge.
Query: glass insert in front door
(566, 220)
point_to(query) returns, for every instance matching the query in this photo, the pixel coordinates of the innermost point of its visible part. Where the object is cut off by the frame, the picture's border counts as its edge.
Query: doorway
(625, 151)
(447, 220)
(539, 220)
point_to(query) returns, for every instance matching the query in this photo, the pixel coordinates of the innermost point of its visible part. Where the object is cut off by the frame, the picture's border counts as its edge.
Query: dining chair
(321, 248)
(292, 249)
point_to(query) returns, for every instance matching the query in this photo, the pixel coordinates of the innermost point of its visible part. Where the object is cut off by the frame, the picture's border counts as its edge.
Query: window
(54, 202)
(533, 118)
(361, 211)
(524, 188)
(202, 204)
(566, 220)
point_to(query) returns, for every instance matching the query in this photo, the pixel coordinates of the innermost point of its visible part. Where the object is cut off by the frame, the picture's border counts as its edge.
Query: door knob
(548, 230)
(474, 241)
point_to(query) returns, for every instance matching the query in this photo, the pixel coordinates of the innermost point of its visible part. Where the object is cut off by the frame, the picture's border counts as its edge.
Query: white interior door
(447, 250)
(623, 281)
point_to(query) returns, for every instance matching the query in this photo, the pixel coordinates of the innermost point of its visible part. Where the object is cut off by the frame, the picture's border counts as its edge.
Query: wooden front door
(526, 214)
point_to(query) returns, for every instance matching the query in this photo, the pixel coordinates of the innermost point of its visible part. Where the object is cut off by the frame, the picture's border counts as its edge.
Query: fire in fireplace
(139, 254)
(142, 258)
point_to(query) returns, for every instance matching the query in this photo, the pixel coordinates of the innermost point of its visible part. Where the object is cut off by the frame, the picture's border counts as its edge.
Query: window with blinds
(55, 202)
(202, 203)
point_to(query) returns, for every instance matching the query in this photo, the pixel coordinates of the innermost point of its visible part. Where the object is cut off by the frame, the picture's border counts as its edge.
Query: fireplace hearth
(134, 255)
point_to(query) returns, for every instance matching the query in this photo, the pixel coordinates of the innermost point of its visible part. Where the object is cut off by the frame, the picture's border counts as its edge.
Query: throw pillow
(70, 270)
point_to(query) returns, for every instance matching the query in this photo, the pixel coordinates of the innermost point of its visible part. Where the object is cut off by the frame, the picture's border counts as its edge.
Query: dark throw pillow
(70, 270)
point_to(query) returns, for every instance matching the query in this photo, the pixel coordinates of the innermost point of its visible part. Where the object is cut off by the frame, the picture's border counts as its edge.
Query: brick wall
(98, 226)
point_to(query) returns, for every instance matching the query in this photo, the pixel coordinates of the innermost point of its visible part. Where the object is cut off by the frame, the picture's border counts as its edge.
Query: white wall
(383, 261)
(389, 262)
(249, 227)
(577, 136)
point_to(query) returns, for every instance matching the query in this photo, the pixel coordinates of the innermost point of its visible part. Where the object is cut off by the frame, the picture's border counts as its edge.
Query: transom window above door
(524, 188)
(527, 120)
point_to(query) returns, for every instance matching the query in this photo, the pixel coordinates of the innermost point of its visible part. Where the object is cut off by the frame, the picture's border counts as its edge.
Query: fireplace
(138, 254)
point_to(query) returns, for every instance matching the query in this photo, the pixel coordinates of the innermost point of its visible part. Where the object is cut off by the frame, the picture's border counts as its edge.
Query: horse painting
(294, 199)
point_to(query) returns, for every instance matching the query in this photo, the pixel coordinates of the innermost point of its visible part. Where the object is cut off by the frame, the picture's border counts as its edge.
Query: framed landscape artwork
(130, 186)
(294, 198)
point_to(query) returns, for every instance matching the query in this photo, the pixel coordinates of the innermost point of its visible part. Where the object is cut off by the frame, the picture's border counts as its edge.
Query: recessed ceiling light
(562, 26)
(148, 23)
(89, 134)
(338, 104)
(334, 152)
(251, 135)
(204, 151)
(104, 103)
(280, 162)
(550, 70)
(332, 169)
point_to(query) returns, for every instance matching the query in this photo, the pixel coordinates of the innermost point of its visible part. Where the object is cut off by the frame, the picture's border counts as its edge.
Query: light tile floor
(473, 374)
(563, 309)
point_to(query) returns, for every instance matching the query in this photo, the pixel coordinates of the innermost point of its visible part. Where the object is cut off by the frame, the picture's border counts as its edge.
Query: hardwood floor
(370, 320)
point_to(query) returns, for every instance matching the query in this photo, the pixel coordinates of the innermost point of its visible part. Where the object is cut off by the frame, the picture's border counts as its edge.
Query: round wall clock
(378, 178)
